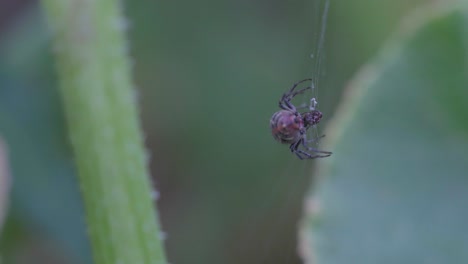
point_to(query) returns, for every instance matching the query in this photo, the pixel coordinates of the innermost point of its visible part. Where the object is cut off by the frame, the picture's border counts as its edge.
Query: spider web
(318, 57)
(309, 99)
(296, 173)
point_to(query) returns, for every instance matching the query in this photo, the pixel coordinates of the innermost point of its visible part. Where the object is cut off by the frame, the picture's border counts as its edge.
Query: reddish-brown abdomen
(286, 126)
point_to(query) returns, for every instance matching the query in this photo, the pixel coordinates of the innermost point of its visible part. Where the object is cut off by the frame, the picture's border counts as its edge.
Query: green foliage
(209, 75)
(98, 95)
(395, 190)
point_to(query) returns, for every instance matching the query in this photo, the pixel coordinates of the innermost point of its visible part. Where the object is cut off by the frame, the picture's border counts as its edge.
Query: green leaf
(101, 111)
(396, 187)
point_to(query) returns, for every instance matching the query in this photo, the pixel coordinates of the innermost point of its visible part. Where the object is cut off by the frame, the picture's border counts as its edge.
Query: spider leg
(325, 154)
(294, 147)
(290, 95)
(285, 102)
(296, 84)
(310, 156)
(299, 92)
(304, 143)
(302, 107)
(303, 154)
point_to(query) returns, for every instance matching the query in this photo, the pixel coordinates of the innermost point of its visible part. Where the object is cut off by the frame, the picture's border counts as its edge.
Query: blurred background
(209, 75)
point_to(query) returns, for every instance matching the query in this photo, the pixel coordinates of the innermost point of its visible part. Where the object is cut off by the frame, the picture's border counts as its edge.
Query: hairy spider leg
(296, 84)
(299, 92)
(290, 93)
(294, 147)
(328, 153)
(285, 102)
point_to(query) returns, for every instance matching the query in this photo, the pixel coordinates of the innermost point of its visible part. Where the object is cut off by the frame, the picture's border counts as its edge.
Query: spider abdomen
(286, 126)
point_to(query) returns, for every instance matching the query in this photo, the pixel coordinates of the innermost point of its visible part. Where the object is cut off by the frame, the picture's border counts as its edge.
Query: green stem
(99, 101)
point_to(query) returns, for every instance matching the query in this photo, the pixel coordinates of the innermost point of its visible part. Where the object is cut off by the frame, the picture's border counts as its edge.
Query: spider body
(288, 126)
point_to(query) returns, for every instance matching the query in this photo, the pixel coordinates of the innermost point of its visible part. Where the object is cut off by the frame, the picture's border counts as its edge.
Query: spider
(288, 126)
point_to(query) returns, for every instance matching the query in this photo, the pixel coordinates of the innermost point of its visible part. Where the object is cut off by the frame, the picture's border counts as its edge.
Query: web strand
(319, 52)
(318, 56)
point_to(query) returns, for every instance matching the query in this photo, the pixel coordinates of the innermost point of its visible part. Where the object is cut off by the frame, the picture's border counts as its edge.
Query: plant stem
(99, 100)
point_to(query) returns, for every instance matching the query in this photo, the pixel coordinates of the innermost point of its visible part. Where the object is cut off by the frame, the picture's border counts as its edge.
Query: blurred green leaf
(395, 190)
(44, 195)
(45, 201)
